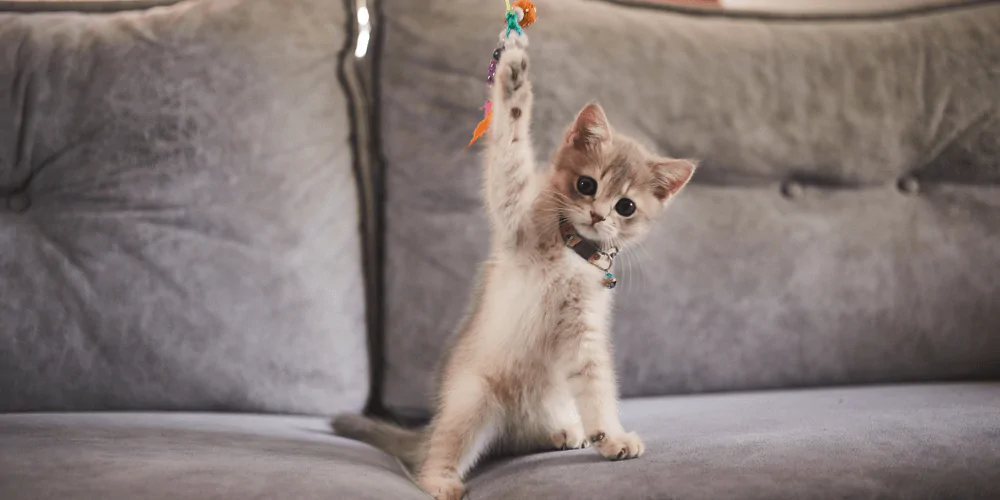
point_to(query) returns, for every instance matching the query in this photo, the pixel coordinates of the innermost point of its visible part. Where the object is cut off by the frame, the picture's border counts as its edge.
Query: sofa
(223, 222)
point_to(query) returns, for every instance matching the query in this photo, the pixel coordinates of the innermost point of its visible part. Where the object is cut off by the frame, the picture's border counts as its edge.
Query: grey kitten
(531, 368)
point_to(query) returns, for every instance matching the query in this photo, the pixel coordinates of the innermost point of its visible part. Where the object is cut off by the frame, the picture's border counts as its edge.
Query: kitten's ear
(671, 175)
(590, 128)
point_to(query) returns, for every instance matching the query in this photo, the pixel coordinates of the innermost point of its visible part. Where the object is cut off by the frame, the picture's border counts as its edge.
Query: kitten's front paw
(514, 40)
(618, 447)
(513, 72)
(570, 439)
(442, 488)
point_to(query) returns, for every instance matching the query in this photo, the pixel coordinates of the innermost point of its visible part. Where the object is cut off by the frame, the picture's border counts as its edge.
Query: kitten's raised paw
(513, 72)
(441, 488)
(515, 40)
(570, 439)
(618, 447)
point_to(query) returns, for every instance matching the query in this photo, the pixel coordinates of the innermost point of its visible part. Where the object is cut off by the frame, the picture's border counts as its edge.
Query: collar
(589, 251)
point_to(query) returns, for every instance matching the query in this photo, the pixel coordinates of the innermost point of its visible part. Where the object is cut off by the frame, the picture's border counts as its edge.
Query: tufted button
(791, 189)
(18, 202)
(909, 185)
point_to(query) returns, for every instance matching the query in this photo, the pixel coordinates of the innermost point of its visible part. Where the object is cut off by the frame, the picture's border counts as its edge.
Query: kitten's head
(610, 187)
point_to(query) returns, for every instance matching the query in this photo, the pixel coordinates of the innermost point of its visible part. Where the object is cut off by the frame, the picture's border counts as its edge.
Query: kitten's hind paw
(570, 439)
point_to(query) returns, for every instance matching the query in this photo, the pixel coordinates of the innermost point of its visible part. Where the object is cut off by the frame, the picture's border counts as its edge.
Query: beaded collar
(589, 250)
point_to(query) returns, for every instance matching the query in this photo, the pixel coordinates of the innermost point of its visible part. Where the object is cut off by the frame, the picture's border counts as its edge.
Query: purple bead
(491, 72)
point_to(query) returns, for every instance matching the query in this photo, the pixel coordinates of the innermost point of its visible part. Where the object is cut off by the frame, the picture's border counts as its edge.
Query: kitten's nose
(594, 218)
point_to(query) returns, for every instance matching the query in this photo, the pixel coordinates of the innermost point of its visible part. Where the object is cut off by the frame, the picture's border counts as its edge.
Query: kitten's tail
(405, 444)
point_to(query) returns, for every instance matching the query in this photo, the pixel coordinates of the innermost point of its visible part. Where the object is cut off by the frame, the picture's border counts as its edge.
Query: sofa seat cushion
(119, 456)
(927, 441)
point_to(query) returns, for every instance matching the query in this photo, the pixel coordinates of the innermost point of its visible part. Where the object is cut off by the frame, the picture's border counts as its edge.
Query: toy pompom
(527, 14)
(484, 125)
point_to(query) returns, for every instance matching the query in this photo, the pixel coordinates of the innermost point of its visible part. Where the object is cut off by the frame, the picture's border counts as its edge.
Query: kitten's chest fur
(539, 305)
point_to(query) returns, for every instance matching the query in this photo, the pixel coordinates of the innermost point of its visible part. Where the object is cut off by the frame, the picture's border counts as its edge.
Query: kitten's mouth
(588, 231)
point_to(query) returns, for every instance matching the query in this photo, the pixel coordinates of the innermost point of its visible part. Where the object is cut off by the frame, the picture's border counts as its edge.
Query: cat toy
(519, 16)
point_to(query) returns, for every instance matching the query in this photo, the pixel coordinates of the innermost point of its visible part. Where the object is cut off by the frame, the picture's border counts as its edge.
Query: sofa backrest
(179, 215)
(844, 227)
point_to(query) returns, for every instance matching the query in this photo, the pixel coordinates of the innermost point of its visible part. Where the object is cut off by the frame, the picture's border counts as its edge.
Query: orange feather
(484, 124)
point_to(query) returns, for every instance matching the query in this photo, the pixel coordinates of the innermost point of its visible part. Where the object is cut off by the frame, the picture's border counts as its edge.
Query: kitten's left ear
(590, 129)
(671, 175)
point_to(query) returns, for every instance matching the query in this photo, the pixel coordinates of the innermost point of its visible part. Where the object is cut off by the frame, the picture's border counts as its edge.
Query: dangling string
(512, 23)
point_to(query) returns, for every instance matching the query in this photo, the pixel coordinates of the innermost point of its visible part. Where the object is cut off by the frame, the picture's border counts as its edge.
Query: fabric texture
(919, 442)
(178, 211)
(817, 9)
(843, 228)
(80, 5)
(935, 441)
(821, 7)
(121, 456)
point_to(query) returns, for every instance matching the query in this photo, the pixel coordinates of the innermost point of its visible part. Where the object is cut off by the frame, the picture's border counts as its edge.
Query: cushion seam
(366, 175)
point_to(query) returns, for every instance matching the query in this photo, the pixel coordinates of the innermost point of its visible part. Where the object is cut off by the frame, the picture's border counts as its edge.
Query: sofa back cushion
(178, 210)
(844, 226)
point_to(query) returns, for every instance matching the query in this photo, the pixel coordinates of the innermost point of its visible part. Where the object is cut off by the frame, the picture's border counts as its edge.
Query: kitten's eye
(625, 207)
(587, 186)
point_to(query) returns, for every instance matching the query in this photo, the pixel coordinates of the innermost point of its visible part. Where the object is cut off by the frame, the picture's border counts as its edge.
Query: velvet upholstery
(843, 228)
(179, 214)
(931, 441)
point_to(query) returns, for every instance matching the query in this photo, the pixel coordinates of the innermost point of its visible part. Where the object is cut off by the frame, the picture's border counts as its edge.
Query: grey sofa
(219, 227)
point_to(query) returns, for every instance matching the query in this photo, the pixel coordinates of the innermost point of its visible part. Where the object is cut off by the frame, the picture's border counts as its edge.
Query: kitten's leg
(596, 393)
(511, 182)
(552, 423)
(564, 428)
(465, 425)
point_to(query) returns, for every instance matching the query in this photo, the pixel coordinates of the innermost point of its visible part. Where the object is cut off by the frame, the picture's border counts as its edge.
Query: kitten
(531, 368)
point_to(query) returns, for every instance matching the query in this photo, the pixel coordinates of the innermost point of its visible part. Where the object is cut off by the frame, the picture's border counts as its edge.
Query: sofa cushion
(817, 9)
(178, 211)
(80, 5)
(933, 441)
(844, 226)
(835, 7)
(119, 456)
